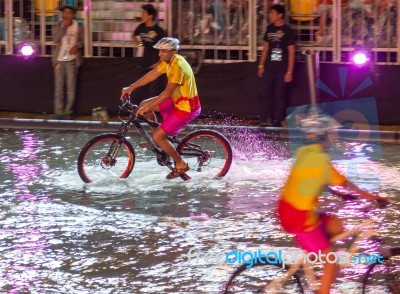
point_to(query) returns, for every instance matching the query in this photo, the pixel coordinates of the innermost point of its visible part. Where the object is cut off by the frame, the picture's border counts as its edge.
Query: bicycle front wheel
(106, 156)
(267, 278)
(385, 277)
(206, 151)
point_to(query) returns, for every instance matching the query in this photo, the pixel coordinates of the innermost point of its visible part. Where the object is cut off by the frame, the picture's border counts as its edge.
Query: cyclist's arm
(147, 78)
(353, 187)
(340, 180)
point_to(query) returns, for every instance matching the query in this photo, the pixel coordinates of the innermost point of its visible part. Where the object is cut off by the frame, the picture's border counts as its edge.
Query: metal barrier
(222, 30)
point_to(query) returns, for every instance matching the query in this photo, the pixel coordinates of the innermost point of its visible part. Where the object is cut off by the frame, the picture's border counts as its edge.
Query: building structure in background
(221, 30)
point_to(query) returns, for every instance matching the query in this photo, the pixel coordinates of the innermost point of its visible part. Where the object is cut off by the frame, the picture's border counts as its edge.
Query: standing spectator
(276, 66)
(149, 33)
(67, 58)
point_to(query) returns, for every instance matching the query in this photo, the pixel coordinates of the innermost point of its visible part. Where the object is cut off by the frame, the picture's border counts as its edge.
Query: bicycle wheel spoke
(99, 161)
(207, 152)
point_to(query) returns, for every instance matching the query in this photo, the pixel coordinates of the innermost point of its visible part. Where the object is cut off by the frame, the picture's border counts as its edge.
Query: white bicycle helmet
(167, 43)
(316, 126)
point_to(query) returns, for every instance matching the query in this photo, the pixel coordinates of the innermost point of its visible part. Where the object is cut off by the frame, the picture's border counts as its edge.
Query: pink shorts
(172, 123)
(316, 239)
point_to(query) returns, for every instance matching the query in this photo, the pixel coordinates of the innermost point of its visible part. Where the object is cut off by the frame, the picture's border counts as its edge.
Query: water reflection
(132, 236)
(26, 238)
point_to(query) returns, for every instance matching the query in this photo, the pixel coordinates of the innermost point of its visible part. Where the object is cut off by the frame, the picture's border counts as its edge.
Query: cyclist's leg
(333, 225)
(168, 127)
(150, 115)
(173, 123)
(160, 137)
(329, 273)
(318, 240)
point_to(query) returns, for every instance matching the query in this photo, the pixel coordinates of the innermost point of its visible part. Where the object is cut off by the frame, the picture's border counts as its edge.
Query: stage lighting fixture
(27, 49)
(359, 57)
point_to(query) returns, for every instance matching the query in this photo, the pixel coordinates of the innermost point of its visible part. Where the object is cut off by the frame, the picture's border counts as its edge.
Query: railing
(222, 30)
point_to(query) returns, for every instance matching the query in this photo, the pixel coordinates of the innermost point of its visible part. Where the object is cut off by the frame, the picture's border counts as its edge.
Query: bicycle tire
(206, 151)
(385, 277)
(92, 163)
(256, 279)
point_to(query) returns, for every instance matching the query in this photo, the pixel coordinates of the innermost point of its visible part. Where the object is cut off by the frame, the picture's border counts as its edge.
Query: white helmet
(167, 43)
(316, 126)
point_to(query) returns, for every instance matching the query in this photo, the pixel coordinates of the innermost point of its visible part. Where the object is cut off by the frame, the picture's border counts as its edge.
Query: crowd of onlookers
(366, 22)
(370, 23)
(363, 22)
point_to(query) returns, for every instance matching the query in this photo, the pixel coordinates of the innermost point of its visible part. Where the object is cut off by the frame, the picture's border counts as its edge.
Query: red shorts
(175, 120)
(293, 220)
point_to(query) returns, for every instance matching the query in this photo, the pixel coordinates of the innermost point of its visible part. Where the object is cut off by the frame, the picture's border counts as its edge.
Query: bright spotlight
(359, 58)
(27, 49)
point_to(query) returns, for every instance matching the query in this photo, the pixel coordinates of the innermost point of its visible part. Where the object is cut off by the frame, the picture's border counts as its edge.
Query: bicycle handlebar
(127, 105)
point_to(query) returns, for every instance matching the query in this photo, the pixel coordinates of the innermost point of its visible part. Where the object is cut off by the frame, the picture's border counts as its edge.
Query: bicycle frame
(136, 120)
(366, 231)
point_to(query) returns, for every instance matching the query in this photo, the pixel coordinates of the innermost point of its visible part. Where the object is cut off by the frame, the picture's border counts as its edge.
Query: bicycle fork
(109, 159)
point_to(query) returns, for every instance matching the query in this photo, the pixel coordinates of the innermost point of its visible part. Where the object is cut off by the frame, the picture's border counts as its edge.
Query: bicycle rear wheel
(105, 157)
(385, 277)
(206, 151)
(259, 277)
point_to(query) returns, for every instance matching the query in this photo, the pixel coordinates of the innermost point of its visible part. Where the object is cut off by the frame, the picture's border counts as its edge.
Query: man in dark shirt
(276, 65)
(150, 33)
(147, 34)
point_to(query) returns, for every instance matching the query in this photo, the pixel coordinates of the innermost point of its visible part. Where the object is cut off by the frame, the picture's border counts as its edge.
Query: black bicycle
(111, 155)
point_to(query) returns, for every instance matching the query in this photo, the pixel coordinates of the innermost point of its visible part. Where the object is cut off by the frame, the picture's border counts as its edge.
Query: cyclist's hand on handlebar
(125, 94)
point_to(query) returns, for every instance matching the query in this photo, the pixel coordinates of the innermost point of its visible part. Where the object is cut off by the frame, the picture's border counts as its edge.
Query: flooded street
(60, 235)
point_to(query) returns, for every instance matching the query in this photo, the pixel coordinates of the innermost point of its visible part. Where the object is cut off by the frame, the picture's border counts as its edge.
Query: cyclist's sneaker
(145, 145)
(176, 172)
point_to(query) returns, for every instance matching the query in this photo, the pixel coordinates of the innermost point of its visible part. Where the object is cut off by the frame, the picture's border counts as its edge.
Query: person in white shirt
(67, 58)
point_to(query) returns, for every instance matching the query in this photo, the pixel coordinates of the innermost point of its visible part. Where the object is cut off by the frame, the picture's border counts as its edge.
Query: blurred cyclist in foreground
(311, 174)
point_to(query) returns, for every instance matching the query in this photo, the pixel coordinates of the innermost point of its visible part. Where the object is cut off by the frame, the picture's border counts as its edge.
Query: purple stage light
(27, 50)
(360, 58)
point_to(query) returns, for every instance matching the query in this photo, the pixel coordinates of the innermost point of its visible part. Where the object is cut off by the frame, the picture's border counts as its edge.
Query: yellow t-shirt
(311, 173)
(179, 71)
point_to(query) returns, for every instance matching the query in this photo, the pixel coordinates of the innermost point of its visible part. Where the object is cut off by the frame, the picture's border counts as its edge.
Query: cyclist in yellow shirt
(311, 174)
(178, 104)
